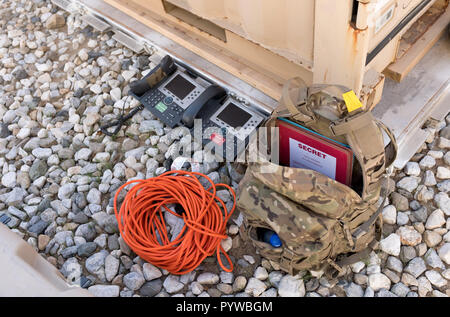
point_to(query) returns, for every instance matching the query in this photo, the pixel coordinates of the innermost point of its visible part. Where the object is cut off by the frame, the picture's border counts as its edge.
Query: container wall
(285, 27)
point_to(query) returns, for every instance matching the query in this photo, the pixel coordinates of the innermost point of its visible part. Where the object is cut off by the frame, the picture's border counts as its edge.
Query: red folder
(304, 148)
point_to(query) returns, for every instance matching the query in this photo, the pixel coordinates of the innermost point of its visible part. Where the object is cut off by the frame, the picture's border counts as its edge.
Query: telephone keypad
(164, 107)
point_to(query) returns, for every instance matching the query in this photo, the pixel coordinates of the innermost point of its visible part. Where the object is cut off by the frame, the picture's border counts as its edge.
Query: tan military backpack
(322, 224)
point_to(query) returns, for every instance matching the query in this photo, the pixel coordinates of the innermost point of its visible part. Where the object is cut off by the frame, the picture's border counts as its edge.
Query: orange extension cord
(141, 219)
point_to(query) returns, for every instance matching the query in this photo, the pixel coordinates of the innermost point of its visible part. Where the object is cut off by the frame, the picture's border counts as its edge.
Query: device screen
(234, 115)
(180, 87)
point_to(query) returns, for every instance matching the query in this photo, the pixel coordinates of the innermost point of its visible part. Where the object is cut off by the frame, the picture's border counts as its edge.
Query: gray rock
(38, 228)
(424, 286)
(432, 238)
(261, 273)
(17, 213)
(427, 162)
(42, 153)
(409, 236)
(94, 196)
(69, 252)
(111, 267)
(66, 191)
(172, 284)
(152, 288)
(86, 231)
(402, 218)
(416, 267)
(444, 253)
(443, 172)
(369, 292)
(86, 249)
(226, 277)
(37, 169)
(399, 201)
(208, 278)
(354, 290)
(400, 289)
(150, 272)
(443, 202)
(436, 278)
(432, 259)
(420, 214)
(107, 222)
(429, 179)
(133, 281)
(389, 214)
(435, 220)
(291, 286)
(71, 269)
(385, 293)
(391, 244)
(444, 186)
(9, 180)
(412, 169)
(408, 183)
(256, 287)
(104, 290)
(379, 281)
(96, 262)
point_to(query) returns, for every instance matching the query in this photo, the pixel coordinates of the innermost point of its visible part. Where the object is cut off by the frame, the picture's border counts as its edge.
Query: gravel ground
(59, 80)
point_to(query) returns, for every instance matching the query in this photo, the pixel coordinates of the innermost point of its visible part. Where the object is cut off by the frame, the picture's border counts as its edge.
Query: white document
(305, 156)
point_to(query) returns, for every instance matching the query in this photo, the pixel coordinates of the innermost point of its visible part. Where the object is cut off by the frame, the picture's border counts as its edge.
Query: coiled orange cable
(141, 220)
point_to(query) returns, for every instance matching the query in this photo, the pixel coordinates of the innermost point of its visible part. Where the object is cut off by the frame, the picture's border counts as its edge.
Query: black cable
(121, 120)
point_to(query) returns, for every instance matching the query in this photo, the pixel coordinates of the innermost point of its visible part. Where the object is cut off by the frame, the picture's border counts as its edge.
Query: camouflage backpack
(322, 224)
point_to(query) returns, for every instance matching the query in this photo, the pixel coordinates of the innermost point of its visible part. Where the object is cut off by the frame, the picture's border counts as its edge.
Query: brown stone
(55, 21)
(43, 241)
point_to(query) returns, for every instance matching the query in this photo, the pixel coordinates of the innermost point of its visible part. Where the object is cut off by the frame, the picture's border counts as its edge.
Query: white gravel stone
(443, 202)
(412, 169)
(379, 281)
(227, 244)
(409, 236)
(172, 284)
(208, 278)
(261, 273)
(9, 180)
(249, 259)
(391, 244)
(429, 179)
(111, 267)
(291, 286)
(435, 220)
(435, 278)
(133, 280)
(104, 290)
(443, 172)
(66, 191)
(408, 183)
(444, 253)
(116, 94)
(196, 288)
(94, 196)
(255, 287)
(427, 162)
(42, 153)
(151, 272)
(389, 214)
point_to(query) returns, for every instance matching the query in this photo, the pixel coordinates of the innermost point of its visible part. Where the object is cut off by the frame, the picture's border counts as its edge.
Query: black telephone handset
(208, 102)
(163, 70)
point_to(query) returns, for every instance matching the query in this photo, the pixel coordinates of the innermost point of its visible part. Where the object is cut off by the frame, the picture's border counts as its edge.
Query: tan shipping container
(347, 42)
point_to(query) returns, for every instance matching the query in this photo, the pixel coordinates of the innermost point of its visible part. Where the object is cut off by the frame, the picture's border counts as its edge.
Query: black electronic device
(227, 125)
(174, 94)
